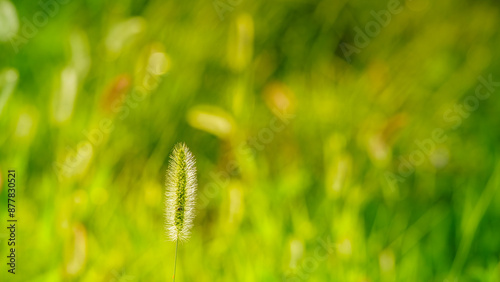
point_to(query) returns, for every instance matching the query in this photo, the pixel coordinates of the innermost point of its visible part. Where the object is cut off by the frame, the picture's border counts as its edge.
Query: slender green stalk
(175, 261)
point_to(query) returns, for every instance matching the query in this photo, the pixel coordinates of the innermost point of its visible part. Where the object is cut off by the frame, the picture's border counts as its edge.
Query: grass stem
(175, 261)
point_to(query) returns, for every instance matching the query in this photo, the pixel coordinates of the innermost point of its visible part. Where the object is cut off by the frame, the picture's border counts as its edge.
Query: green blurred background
(298, 145)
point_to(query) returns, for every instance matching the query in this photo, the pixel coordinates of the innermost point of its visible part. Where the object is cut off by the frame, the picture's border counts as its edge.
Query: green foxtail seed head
(180, 193)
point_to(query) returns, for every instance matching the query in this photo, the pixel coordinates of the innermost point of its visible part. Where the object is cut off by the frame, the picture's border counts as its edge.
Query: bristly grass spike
(181, 186)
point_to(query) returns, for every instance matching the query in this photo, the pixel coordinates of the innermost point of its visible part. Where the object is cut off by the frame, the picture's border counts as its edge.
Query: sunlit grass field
(334, 140)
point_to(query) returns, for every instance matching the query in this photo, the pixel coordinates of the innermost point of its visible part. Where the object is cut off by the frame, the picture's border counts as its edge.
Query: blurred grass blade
(211, 119)
(9, 23)
(65, 96)
(8, 81)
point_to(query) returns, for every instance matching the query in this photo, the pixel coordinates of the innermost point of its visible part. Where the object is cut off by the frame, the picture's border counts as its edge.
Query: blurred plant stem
(175, 261)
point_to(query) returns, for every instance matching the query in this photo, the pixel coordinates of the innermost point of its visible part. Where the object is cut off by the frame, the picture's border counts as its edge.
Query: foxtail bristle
(180, 193)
